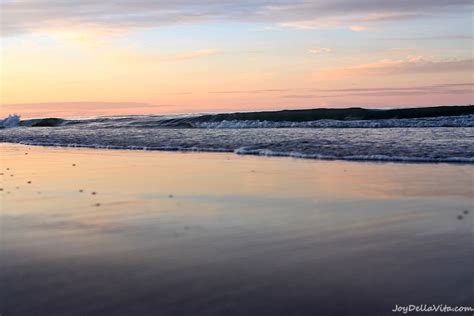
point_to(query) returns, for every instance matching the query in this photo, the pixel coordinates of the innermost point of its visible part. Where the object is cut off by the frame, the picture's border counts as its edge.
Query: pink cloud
(358, 28)
(396, 66)
(320, 50)
(83, 109)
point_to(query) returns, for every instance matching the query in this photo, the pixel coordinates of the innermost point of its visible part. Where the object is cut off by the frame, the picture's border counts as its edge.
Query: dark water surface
(438, 144)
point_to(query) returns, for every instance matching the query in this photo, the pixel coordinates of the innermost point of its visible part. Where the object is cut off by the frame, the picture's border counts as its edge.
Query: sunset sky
(89, 57)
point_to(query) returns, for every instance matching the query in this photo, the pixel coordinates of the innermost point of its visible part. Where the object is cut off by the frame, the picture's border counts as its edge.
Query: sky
(116, 57)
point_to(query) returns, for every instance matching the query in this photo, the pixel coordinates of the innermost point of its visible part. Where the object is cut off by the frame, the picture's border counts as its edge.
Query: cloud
(395, 67)
(437, 89)
(444, 87)
(132, 55)
(358, 15)
(349, 19)
(323, 23)
(69, 109)
(320, 50)
(28, 16)
(247, 91)
(432, 38)
(300, 96)
(190, 55)
(180, 93)
(358, 28)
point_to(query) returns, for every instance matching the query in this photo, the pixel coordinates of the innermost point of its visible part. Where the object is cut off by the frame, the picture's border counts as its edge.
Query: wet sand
(97, 232)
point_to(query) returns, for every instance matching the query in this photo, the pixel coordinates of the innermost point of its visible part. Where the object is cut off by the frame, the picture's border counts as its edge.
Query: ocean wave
(446, 116)
(12, 120)
(45, 122)
(444, 121)
(347, 114)
(423, 139)
(379, 158)
(125, 147)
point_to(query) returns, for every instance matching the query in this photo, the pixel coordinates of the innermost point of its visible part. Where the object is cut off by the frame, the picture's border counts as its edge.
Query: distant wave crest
(446, 116)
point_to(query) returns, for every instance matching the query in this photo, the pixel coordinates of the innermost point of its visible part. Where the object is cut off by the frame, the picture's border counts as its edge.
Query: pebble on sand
(73, 164)
(97, 204)
(466, 212)
(94, 193)
(81, 190)
(460, 217)
(171, 196)
(29, 182)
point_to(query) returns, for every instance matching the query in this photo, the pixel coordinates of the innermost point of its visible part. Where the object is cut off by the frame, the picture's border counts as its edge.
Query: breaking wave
(443, 134)
(12, 120)
(444, 116)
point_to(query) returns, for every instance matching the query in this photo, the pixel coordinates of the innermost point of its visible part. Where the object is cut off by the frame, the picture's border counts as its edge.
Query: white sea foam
(12, 120)
(266, 153)
(443, 121)
(379, 158)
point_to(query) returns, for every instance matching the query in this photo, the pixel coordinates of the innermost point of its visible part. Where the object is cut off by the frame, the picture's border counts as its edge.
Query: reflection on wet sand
(138, 233)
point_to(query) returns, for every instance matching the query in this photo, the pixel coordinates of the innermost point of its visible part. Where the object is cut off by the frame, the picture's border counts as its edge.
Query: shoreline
(262, 153)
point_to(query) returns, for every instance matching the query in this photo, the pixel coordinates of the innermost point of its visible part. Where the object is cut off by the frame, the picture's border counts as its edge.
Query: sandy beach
(112, 232)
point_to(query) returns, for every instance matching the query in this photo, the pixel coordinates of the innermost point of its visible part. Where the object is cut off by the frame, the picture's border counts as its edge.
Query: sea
(430, 134)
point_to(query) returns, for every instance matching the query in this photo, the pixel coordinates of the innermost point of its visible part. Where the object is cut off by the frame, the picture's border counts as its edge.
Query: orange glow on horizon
(53, 67)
